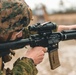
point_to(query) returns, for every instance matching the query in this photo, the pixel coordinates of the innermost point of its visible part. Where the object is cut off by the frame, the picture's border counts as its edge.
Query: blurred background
(60, 12)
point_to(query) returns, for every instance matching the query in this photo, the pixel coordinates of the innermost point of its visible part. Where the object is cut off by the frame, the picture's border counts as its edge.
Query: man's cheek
(2, 39)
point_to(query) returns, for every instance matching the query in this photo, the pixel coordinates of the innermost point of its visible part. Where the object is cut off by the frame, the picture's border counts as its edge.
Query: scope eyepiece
(43, 27)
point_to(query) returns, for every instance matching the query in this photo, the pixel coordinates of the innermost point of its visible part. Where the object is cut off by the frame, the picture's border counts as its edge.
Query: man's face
(16, 35)
(11, 36)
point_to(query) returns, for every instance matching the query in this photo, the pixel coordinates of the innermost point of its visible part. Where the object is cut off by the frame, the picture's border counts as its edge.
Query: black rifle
(45, 37)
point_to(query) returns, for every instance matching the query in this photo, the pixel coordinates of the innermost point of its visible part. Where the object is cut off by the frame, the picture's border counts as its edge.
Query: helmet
(14, 15)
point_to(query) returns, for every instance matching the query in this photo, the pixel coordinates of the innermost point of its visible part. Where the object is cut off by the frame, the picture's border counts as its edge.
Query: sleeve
(1, 72)
(25, 66)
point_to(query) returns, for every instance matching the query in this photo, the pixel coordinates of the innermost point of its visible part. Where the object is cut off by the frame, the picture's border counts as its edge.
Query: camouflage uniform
(14, 15)
(25, 66)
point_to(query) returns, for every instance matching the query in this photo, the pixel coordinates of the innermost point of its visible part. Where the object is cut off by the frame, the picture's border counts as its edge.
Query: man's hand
(65, 27)
(37, 54)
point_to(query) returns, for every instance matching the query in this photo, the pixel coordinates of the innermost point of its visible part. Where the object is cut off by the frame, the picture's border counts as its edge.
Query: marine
(14, 16)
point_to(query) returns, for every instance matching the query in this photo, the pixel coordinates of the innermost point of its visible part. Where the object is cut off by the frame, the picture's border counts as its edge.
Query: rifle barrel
(68, 35)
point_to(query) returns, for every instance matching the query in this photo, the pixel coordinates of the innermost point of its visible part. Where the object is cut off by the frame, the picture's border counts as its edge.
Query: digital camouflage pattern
(14, 14)
(25, 66)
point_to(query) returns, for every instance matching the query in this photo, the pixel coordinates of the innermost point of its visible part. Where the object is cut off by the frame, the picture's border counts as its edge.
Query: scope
(47, 26)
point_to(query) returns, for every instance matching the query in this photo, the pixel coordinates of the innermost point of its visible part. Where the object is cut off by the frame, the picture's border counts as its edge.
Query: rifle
(46, 37)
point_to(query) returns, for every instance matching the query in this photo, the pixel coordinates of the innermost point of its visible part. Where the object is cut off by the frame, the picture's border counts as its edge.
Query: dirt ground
(67, 57)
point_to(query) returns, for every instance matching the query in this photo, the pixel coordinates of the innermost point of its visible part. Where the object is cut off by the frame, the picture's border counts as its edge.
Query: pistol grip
(54, 59)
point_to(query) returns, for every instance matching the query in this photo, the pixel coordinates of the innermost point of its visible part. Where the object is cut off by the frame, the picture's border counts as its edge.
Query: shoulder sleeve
(25, 66)
(1, 72)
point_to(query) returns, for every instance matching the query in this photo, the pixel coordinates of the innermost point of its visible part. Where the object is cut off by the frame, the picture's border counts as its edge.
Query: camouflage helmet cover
(14, 14)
